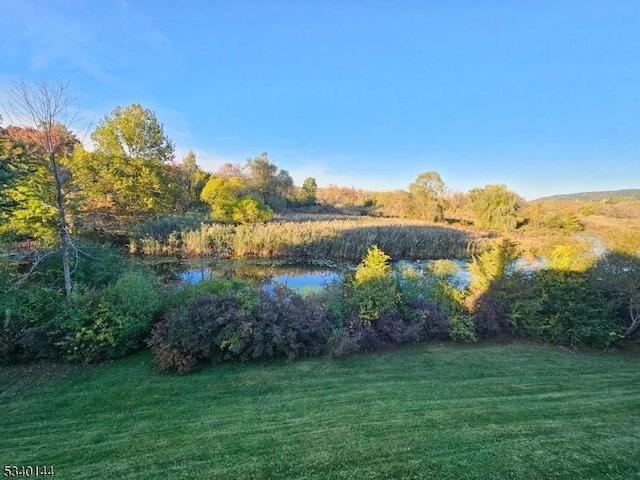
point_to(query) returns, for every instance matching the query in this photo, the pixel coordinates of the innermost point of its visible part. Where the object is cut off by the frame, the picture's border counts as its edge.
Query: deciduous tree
(231, 202)
(129, 175)
(44, 108)
(267, 182)
(310, 190)
(192, 180)
(426, 201)
(494, 207)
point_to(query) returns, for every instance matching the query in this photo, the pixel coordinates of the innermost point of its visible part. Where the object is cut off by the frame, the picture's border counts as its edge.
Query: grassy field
(442, 412)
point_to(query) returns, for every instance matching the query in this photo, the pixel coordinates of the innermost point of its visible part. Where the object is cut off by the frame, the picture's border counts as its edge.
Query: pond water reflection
(297, 275)
(301, 276)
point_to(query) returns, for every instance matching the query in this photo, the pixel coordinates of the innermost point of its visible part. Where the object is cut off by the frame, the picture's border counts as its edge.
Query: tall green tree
(430, 182)
(130, 174)
(267, 182)
(426, 197)
(11, 168)
(310, 190)
(133, 132)
(192, 180)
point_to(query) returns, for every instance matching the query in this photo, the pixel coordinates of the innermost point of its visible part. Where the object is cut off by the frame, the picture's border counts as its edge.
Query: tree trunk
(634, 312)
(65, 241)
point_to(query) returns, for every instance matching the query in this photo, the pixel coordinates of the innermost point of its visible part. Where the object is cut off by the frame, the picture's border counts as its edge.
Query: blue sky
(543, 96)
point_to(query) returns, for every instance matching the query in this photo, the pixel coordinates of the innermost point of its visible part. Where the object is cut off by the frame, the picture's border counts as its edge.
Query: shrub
(167, 357)
(551, 306)
(225, 325)
(338, 303)
(210, 328)
(491, 312)
(568, 313)
(374, 286)
(462, 328)
(95, 266)
(389, 330)
(431, 296)
(187, 293)
(110, 323)
(491, 265)
(27, 323)
(294, 325)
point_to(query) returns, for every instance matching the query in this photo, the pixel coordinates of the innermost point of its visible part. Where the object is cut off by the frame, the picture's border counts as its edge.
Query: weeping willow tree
(494, 207)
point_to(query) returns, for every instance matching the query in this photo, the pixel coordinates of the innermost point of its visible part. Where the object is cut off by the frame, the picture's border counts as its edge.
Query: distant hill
(593, 196)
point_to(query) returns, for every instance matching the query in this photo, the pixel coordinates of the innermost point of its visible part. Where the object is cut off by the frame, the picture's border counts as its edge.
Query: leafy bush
(374, 286)
(462, 328)
(492, 265)
(615, 281)
(110, 323)
(99, 266)
(552, 306)
(337, 301)
(167, 357)
(390, 329)
(107, 316)
(185, 294)
(224, 325)
(491, 313)
(294, 325)
(560, 308)
(27, 323)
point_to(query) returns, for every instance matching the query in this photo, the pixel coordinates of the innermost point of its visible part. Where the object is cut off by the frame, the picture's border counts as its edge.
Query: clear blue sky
(543, 96)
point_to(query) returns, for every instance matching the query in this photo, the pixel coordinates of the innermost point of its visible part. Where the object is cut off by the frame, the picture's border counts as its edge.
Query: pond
(295, 274)
(462, 278)
(301, 276)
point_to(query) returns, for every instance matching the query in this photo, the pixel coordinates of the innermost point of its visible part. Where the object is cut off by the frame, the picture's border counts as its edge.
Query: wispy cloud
(99, 40)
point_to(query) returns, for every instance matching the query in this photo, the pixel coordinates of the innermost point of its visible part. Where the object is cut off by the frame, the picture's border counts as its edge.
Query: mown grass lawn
(492, 411)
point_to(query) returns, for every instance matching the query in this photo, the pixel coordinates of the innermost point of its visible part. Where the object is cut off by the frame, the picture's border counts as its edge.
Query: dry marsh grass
(344, 238)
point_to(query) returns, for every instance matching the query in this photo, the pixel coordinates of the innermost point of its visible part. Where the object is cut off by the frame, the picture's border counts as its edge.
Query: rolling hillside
(593, 196)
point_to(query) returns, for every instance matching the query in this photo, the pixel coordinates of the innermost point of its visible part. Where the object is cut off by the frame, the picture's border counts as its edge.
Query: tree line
(53, 186)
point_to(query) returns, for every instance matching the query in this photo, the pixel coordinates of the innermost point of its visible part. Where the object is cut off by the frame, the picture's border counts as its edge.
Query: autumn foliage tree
(43, 108)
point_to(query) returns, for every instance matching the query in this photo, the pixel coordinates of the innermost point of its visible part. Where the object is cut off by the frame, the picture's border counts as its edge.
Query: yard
(439, 411)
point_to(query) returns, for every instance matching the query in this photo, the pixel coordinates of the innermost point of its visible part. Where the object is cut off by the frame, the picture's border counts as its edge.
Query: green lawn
(492, 411)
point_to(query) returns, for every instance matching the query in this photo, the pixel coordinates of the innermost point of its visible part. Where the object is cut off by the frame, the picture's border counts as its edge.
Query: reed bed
(335, 238)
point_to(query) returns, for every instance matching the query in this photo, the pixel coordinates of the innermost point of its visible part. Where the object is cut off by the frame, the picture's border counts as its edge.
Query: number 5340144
(27, 471)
